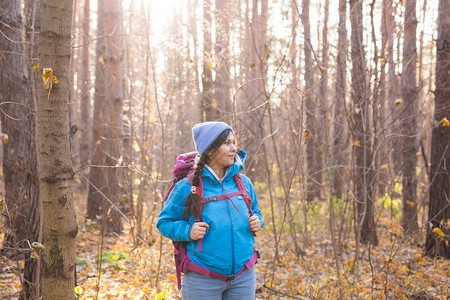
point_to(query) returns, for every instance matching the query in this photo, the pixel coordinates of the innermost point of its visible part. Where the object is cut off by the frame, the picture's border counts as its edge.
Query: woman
(221, 233)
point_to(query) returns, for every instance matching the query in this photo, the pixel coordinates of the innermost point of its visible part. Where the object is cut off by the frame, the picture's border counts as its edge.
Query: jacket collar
(236, 167)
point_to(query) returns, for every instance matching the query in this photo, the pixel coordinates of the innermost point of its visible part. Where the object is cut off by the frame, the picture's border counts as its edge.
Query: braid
(192, 205)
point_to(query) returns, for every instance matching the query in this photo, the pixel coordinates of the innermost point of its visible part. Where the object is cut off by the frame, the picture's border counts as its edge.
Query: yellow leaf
(48, 78)
(398, 102)
(322, 69)
(214, 104)
(146, 289)
(101, 60)
(210, 64)
(219, 67)
(4, 137)
(383, 60)
(445, 122)
(439, 232)
(307, 134)
(346, 170)
(36, 67)
(411, 204)
(357, 143)
(78, 290)
(172, 277)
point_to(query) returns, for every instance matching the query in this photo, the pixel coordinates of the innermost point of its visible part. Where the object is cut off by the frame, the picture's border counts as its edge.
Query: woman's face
(224, 156)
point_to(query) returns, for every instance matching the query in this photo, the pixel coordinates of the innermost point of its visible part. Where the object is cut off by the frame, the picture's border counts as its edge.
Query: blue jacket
(228, 244)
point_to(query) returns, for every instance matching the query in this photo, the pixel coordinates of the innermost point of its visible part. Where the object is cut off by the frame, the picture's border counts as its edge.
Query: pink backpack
(184, 167)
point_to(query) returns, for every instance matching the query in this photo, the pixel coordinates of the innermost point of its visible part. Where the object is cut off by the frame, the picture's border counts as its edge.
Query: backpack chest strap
(223, 197)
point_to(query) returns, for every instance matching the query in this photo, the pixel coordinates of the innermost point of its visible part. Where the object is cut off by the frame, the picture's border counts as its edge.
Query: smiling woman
(215, 213)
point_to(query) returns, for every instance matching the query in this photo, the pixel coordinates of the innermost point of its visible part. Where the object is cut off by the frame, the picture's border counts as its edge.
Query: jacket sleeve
(251, 192)
(170, 221)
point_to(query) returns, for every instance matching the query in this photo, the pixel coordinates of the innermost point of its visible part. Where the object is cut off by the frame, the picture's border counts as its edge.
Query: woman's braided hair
(193, 201)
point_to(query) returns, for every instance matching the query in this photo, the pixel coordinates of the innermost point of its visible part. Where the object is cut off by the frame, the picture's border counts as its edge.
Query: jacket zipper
(231, 231)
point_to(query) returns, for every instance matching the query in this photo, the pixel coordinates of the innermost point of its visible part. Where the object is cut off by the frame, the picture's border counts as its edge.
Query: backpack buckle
(232, 277)
(209, 199)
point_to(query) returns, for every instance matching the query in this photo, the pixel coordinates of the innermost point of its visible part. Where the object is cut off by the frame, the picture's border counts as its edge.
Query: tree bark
(55, 170)
(222, 81)
(20, 161)
(393, 91)
(363, 172)
(112, 13)
(85, 107)
(107, 122)
(254, 101)
(339, 104)
(408, 119)
(322, 121)
(439, 206)
(210, 110)
(15, 107)
(97, 177)
(313, 188)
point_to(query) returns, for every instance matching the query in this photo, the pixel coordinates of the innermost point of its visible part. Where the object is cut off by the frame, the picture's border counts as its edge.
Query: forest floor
(394, 269)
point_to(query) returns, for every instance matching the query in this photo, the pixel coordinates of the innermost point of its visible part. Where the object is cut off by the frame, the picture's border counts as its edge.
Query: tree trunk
(97, 177)
(107, 122)
(408, 118)
(393, 91)
(210, 110)
(382, 158)
(313, 188)
(112, 13)
(222, 81)
(322, 121)
(363, 171)
(339, 104)
(194, 112)
(73, 100)
(85, 97)
(439, 209)
(14, 96)
(55, 170)
(255, 94)
(20, 161)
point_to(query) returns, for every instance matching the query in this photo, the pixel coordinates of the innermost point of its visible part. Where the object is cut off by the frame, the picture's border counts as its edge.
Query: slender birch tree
(55, 169)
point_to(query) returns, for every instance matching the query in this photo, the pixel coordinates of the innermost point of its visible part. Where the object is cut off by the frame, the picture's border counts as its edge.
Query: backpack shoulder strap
(241, 186)
(247, 198)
